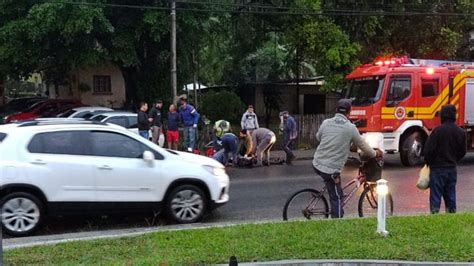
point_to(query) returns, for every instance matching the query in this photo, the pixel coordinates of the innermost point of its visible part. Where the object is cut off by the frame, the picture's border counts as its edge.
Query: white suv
(52, 167)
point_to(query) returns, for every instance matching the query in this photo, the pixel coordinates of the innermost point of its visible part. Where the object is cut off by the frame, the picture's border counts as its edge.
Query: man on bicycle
(335, 137)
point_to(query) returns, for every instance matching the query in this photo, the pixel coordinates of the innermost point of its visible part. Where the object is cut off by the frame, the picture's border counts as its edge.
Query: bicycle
(308, 203)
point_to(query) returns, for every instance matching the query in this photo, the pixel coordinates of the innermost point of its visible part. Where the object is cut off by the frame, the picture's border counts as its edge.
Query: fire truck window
(429, 88)
(399, 89)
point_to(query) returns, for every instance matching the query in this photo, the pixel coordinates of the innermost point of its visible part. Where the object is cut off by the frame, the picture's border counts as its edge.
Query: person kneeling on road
(335, 137)
(229, 145)
(263, 140)
(220, 128)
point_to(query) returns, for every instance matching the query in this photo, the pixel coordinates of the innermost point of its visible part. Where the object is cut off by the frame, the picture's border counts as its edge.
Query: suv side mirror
(148, 157)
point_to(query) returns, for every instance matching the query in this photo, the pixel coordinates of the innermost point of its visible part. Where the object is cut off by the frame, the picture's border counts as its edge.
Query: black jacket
(155, 113)
(447, 143)
(143, 123)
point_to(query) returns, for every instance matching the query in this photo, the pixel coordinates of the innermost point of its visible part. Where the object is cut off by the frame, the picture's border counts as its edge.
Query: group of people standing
(255, 142)
(185, 114)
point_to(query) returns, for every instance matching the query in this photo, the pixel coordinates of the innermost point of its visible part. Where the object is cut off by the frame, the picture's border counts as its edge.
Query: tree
(424, 36)
(56, 38)
(222, 105)
(49, 38)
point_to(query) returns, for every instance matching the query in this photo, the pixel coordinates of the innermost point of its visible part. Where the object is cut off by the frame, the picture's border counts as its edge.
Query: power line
(423, 6)
(333, 12)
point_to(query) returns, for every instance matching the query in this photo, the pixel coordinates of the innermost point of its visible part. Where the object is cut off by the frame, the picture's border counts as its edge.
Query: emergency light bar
(391, 61)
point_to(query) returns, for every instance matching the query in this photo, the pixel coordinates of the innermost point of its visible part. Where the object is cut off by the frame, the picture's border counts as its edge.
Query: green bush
(222, 105)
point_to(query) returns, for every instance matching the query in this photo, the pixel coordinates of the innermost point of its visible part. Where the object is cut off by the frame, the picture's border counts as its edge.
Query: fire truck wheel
(412, 148)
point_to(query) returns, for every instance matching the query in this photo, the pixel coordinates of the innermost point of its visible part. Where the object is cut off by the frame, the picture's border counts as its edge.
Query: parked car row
(31, 109)
(85, 112)
(23, 109)
(17, 105)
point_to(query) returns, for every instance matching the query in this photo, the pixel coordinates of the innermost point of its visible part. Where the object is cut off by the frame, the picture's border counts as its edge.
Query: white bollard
(382, 191)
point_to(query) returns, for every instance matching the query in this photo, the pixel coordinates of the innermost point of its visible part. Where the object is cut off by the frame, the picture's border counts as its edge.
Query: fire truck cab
(402, 98)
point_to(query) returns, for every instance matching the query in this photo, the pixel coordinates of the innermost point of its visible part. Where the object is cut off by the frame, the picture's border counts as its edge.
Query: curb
(350, 262)
(32, 241)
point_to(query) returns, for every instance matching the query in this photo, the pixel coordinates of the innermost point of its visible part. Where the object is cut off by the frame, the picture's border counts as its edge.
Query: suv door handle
(105, 167)
(38, 162)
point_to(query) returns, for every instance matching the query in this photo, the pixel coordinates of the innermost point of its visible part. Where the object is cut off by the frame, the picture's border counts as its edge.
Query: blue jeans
(190, 137)
(144, 133)
(443, 184)
(333, 185)
(288, 147)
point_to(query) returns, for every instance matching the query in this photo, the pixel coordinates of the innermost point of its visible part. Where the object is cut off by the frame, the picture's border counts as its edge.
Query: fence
(308, 125)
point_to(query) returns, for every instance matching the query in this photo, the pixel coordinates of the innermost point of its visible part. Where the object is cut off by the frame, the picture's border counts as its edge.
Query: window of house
(102, 85)
(429, 87)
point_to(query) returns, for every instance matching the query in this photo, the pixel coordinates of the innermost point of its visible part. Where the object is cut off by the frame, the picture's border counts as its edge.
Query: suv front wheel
(186, 204)
(22, 213)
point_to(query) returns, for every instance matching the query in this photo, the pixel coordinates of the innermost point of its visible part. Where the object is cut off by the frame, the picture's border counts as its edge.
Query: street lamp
(382, 191)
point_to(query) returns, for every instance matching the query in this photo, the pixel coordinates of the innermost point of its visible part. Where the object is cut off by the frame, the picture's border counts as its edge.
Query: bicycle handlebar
(353, 158)
(360, 161)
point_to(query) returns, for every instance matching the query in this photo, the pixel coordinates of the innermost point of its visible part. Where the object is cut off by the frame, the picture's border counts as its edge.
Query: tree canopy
(230, 42)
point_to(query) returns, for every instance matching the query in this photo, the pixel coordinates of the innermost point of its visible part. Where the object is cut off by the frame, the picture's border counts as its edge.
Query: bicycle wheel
(368, 202)
(306, 204)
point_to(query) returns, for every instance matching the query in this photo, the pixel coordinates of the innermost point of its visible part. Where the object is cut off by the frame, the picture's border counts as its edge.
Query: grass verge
(418, 238)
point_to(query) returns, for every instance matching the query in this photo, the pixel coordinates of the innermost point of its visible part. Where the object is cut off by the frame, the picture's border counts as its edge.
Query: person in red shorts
(172, 134)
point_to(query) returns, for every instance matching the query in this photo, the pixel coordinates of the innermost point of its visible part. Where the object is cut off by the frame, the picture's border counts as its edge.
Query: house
(97, 86)
(302, 97)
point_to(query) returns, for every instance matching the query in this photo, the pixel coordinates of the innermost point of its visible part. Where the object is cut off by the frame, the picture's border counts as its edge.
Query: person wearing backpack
(290, 133)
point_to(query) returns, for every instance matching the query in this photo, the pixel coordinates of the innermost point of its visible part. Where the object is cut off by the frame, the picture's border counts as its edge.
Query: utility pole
(195, 79)
(299, 109)
(173, 51)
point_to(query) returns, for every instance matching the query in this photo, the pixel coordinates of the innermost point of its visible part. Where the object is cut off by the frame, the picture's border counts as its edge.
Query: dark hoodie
(447, 142)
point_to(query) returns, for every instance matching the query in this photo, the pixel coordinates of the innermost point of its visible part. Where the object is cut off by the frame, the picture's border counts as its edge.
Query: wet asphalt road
(259, 194)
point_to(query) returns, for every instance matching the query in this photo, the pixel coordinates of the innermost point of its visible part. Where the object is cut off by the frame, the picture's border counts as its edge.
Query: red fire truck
(402, 98)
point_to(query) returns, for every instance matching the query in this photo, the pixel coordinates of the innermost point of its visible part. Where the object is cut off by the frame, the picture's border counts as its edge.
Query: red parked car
(46, 108)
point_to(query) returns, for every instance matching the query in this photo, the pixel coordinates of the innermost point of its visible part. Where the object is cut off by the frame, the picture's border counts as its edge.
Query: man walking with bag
(444, 148)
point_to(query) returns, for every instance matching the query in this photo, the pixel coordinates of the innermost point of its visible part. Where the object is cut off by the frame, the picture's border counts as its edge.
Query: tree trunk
(130, 76)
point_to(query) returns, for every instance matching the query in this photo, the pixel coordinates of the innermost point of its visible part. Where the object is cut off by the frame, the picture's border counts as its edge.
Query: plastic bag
(424, 178)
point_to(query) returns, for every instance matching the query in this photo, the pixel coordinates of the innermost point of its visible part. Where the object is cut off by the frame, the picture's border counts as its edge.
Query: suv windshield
(365, 91)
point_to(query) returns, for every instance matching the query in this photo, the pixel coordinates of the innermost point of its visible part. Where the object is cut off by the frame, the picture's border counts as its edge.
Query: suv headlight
(217, 171)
